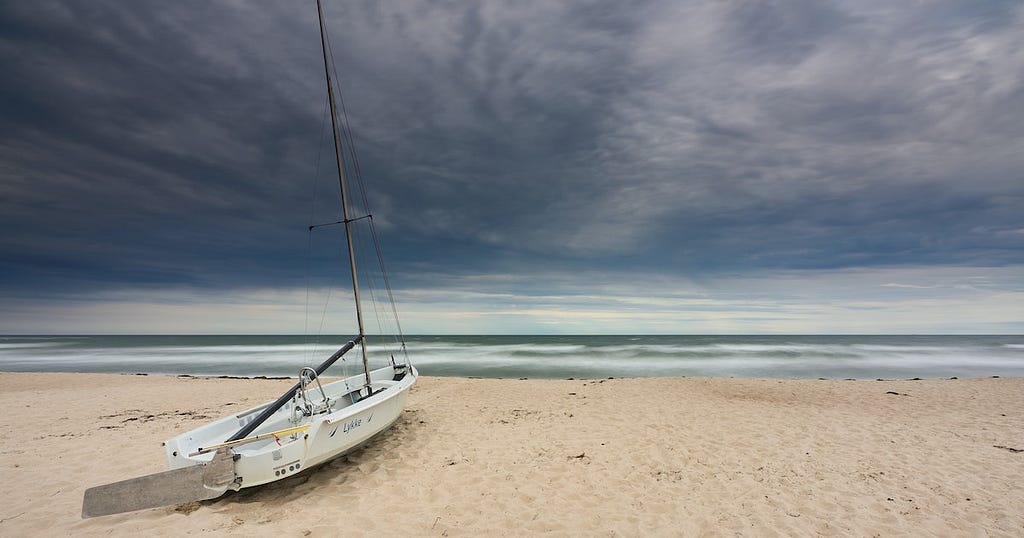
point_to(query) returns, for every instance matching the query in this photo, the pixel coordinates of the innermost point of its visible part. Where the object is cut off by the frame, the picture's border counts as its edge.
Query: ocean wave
(526, 356)
(26, 345)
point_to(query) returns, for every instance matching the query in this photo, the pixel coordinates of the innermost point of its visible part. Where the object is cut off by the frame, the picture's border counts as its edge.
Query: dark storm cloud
(147, 143)
(731, 133)
(154, 143)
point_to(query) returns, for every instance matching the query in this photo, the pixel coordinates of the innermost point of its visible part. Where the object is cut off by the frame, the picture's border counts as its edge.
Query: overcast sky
(803, 166)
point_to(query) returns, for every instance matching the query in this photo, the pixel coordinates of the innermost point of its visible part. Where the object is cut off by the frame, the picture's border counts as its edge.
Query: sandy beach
(619, 457)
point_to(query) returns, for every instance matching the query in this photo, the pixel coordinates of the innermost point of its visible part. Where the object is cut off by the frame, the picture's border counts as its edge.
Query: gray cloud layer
(156, 143)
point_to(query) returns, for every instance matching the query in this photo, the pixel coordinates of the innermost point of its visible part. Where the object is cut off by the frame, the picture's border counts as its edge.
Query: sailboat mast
(344, 205)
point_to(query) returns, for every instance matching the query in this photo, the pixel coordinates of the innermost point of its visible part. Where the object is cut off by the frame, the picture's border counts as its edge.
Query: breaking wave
(834, 357)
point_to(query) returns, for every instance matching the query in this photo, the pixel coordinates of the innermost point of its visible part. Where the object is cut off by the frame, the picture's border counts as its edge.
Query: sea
(534, 357)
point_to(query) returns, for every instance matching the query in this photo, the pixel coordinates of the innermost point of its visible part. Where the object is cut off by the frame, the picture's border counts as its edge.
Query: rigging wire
(315, 339)
(348, 142)
(309, 236)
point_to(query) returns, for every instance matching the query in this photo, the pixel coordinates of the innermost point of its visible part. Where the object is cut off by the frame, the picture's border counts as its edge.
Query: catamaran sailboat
(308, 425)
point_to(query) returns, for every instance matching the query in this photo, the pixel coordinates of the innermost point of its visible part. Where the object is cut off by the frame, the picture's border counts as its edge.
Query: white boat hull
(268, 455)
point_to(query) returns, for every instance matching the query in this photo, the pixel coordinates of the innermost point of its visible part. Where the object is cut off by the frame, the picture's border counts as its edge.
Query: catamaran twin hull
(302, 433)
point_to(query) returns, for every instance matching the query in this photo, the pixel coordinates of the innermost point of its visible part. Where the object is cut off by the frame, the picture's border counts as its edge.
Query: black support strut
(272, 408)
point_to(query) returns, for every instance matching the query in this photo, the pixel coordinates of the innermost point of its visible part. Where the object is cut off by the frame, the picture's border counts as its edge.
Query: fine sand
(621, 457)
